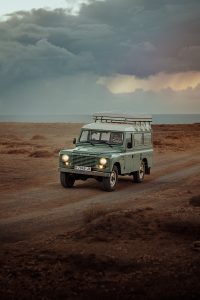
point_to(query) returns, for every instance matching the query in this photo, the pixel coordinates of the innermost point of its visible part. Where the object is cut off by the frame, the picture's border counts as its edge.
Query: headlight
(103, 161)
(65, 157)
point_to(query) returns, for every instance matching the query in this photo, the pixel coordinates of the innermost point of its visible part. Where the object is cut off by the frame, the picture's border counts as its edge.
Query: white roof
(117, 127)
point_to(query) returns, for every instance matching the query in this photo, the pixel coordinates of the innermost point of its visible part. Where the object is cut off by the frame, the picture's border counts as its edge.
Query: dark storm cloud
(149, 36)
(138, 37)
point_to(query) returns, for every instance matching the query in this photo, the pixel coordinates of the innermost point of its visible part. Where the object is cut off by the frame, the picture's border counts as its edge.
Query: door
(128, 157)
(137, 148)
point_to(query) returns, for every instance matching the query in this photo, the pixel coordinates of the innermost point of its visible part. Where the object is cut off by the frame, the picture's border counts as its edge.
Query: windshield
(107, 137)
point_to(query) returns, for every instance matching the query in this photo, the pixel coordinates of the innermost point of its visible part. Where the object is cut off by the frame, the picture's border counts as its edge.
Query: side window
(84, 136)
(129, 142)
(116, 137)
(95, 136)
(105, 136)
(138, 139)
(147, 138)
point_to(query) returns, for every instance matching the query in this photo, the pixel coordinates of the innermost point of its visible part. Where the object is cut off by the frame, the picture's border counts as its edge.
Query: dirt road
(140, 242)
(34, 211)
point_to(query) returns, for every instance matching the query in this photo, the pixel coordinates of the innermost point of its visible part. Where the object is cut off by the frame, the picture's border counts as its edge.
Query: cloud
(149, 44)
(79, 94)
(138, 38)
(122, 84)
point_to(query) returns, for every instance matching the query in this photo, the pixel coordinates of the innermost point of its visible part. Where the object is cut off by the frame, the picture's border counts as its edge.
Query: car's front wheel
(67, 180)
(110, 183)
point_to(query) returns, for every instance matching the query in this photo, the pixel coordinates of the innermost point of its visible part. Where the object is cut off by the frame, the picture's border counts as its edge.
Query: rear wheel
(67, 180)
(138, 176)
(110, 183)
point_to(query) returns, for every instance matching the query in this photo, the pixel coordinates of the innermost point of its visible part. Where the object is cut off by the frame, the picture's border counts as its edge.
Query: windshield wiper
(88, 142)
(105, 142)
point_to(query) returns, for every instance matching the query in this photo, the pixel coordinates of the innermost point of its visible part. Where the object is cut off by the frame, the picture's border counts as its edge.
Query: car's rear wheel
(110, 183)
(138, 176)
(67, 180)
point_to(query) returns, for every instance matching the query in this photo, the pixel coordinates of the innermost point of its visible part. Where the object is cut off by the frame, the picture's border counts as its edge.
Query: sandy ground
(140, 242)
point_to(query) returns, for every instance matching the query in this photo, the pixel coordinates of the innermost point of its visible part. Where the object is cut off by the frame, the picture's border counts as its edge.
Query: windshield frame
(100, 141)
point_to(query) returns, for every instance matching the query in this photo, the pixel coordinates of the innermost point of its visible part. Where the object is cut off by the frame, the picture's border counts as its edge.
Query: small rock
(196, 245)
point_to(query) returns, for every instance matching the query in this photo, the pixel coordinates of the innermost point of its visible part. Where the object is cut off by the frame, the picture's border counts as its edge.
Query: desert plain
(140, 242)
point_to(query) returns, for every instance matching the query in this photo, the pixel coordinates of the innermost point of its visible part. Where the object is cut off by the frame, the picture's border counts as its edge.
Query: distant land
(83, 118)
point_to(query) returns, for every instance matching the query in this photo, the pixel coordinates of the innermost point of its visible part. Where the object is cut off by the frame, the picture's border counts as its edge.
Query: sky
(10, 6)
(73, 57)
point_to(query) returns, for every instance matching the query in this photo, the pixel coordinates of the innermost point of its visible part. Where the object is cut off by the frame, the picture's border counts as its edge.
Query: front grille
(85, 161)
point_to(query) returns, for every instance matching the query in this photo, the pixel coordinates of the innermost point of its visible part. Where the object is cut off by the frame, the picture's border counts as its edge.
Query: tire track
(28, 225)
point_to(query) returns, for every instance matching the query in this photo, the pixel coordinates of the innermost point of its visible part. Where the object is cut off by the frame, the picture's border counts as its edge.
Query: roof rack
(121, 118)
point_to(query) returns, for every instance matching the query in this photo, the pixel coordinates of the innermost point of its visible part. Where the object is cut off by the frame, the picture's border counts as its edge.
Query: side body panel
(138, 152)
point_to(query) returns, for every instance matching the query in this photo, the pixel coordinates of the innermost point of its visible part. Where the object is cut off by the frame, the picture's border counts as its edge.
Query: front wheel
(110, 183)
(138, 176)
(67, 180)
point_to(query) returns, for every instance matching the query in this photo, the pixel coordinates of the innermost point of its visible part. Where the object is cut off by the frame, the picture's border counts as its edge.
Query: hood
(95, 150)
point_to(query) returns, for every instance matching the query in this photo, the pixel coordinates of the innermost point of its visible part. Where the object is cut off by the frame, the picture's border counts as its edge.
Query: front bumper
(89, 173)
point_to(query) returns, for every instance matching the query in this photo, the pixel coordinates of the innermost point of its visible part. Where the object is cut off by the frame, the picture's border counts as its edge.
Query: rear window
(138, 139)
(147, 138)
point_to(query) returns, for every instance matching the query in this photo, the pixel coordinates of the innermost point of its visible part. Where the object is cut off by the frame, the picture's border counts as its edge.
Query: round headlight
(65, 157)
(103, 161)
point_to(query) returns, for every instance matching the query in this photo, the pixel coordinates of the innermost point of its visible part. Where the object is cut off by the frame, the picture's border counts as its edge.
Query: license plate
(81, 168)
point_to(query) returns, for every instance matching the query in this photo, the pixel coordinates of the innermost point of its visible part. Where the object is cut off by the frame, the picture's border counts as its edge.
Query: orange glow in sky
(120, 84)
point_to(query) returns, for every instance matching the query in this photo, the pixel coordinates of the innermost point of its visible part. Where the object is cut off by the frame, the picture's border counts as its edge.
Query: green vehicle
(112, 145)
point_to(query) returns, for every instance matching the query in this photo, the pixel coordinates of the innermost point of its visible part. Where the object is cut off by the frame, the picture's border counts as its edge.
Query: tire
(67, 180)
(99, 179)
(138, 176)
(110, 183)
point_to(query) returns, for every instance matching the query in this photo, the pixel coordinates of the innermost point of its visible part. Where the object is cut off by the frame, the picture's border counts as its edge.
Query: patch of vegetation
(195, 201)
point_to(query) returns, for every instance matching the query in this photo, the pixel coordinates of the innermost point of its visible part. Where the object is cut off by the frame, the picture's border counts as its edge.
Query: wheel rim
(113, 179)
(141, 171)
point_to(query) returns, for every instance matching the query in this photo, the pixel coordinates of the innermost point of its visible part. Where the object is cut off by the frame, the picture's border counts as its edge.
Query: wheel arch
(117, 164)
(145, 160)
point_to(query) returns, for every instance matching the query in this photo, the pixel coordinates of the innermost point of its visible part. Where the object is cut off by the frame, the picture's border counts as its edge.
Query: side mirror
(129, 145)
(74, 141)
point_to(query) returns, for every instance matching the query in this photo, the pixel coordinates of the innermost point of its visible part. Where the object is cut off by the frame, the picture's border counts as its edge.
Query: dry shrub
(12, 144)
(183, 227)
(41, 153)
(195, 201)
(38, 137)
(17, 151)
(94, 212)
(10, 137)
(157, 142)
(170, 144)
(101, 225)
(173, 137)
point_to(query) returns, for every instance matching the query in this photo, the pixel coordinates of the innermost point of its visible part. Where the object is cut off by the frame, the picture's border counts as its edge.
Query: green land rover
(112, 145)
